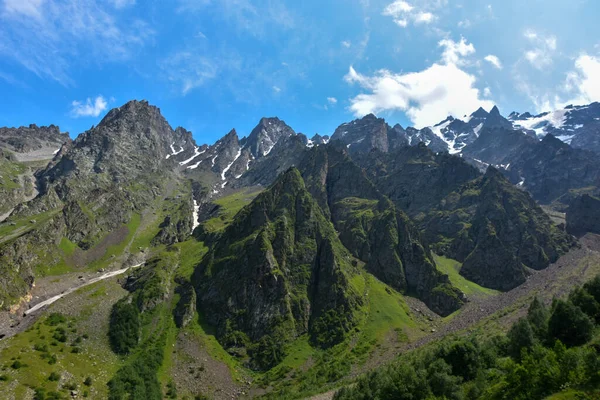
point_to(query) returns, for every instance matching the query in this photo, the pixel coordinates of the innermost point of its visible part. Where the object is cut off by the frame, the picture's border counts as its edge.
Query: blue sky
(213, 65)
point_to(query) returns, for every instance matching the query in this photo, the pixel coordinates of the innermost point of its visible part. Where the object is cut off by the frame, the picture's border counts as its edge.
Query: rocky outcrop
(277, 272)
(583, 215)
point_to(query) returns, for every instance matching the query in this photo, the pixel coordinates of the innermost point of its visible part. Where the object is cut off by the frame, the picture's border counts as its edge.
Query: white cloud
(188, 70)
(122, 3)
(454, 52)
(544, 47)
(583, 83)
(494, 60)
(487, 92)
(346, 44)
(332, 100)
(427, 96)
(46, 37)
(402, 12)
(89, 108)
(424, 18)
(276, 89)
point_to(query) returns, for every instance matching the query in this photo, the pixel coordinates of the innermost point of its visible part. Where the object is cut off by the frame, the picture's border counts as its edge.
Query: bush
(569, 324)
(54, 377)
(55, 319)
(88, 381)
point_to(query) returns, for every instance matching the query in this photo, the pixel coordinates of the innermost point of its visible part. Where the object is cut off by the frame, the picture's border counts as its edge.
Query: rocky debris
(583, 215)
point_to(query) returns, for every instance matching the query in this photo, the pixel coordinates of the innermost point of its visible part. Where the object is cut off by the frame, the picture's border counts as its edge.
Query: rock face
(498, 144)
(266, 135)
(583, 215)
(111, 172)
(278, 272)
(363, 135)
(186, 306)
(550, 169)
(374, 231)
(45, 140)
(415, 178)
(496, 230)
(17, 182)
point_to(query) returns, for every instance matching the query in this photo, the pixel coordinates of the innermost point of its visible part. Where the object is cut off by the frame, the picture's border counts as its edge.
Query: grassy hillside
(452, 269)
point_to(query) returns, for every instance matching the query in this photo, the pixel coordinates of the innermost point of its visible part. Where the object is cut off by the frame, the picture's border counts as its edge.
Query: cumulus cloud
(542, 51)
(346, 44)
(276, 89)
(454, 52)
(89, 108)
(427, 96)
(332, 100)
(583, 83)
(402, 12)
(494, 60)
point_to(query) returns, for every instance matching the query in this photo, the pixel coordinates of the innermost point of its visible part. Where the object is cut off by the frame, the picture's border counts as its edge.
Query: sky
(214, 65)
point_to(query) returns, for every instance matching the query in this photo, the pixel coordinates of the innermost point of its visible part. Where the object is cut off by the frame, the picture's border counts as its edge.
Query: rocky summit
(258, 264)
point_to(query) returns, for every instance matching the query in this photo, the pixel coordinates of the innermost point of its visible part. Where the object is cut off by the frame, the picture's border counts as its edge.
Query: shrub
(54, 377)
(55, 319)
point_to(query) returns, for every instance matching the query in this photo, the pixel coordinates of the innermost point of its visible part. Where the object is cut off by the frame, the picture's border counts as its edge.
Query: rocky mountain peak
(265, 136)
(480, 113)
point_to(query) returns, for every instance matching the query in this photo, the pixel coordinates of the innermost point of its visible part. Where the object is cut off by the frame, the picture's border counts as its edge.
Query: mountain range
(294, 239)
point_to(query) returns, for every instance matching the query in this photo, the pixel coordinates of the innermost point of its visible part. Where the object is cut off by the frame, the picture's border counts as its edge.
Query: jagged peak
(495, 111)
(480, 113)
(133, 108)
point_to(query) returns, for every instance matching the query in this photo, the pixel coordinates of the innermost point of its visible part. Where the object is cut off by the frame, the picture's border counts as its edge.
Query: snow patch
(195, 215)
(239, 153)
(196, 154)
